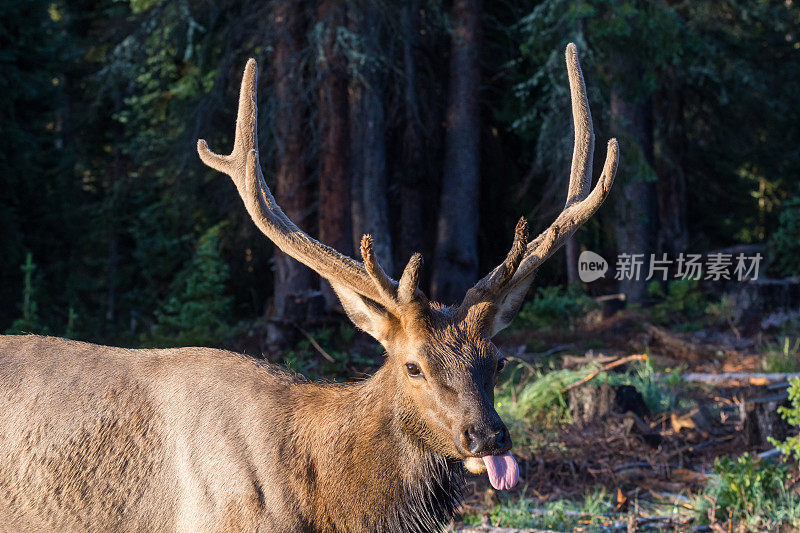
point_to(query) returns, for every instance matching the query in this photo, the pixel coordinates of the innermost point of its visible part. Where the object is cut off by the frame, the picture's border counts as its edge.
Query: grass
(561, 515)
(596, 511)
(781, 356)
(531, 403)
(748, 494)
(744, 494)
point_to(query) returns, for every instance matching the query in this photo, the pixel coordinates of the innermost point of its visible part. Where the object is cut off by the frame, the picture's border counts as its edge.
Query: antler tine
(580, 177)
(409, 281)
(400, 293)
(246, 136)
(374, 269)
(491, 284)
(243, 168)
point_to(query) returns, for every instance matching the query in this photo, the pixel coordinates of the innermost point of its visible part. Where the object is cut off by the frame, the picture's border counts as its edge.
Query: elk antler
(506, 285)
(242, 165)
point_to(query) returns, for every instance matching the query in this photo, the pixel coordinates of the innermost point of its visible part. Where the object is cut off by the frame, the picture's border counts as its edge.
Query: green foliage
(791, 446)
(197, 309)
(555, 308)
(783, 249)
(721, 312)
(101, 104)
(749, 492)
(657, 395)
(530, 401)
(29, 321)
(348, 356)
(683, 302)
(559, 515)
(70, 332)
(781, 356)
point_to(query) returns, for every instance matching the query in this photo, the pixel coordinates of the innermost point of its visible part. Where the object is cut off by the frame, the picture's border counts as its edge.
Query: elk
(96, 438)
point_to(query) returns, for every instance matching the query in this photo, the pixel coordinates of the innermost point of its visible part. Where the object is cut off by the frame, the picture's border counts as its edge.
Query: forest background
(432, 125)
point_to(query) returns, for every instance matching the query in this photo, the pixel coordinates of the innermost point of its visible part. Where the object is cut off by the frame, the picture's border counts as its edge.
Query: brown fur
(94, 438)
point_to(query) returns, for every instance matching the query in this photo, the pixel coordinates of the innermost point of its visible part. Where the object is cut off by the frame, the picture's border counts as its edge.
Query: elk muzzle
(481, 440)
(489, 444)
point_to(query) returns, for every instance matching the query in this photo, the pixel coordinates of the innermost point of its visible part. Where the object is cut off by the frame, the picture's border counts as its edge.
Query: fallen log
(737, 379)
(682, 346)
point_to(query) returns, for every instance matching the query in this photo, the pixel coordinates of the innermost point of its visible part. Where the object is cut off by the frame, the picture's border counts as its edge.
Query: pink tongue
(503, 471)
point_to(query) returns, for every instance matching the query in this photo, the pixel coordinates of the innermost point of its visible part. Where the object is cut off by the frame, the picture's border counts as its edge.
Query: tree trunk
(416, 171)
(572, 253)
(456, 267)
(368, 138)
(635, 199)
(673, 235)
(294, 282)
(334, 185)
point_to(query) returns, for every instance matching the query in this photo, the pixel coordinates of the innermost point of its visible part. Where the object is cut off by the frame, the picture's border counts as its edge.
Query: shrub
(196, 310)
(683, 302)
(555, 307)
(530, 400)
(781, 356)
(783, 248)
(29, 321)
(750, 493)
(791, 446)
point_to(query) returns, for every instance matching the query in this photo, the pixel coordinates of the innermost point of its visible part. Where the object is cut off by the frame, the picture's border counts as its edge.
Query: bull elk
(95, 438)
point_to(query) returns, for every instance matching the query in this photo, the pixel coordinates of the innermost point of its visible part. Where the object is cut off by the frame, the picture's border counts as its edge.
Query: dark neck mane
(431, 502)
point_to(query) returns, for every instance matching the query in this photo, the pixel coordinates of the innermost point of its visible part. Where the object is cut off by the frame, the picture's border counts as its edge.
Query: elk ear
(366, 314)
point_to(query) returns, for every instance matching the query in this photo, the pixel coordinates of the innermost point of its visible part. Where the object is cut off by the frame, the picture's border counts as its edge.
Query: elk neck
(359, 466)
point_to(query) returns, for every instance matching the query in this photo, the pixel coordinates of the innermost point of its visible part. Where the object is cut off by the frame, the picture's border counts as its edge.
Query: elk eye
(501, 363)
(413, 370)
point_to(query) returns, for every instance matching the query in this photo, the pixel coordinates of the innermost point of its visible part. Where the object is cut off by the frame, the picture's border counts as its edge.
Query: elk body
(95, 438)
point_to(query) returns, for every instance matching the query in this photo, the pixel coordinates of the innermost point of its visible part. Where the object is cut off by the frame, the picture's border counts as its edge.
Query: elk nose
(482, 442)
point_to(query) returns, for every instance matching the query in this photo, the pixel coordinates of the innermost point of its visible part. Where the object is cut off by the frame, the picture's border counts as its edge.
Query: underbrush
(531, 403)
(331, 352)
(683, 301)
(598, 510)
(781, 355)
(560, 515)
(555, 308)
(748, 494)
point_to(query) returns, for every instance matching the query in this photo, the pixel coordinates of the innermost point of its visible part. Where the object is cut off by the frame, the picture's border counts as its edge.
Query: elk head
(441, 359)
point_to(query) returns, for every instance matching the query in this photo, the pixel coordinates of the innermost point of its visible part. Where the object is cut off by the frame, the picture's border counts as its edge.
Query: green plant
(683, 302)
(722, 312)
(783, 248)
(560, 515)
(196, 311)
(555, 308)
(791, 446)
(530, 401)
(656, 394)
(750, 493)
(535, 401)
(29, 321)
(72, 318)
(781, 356)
